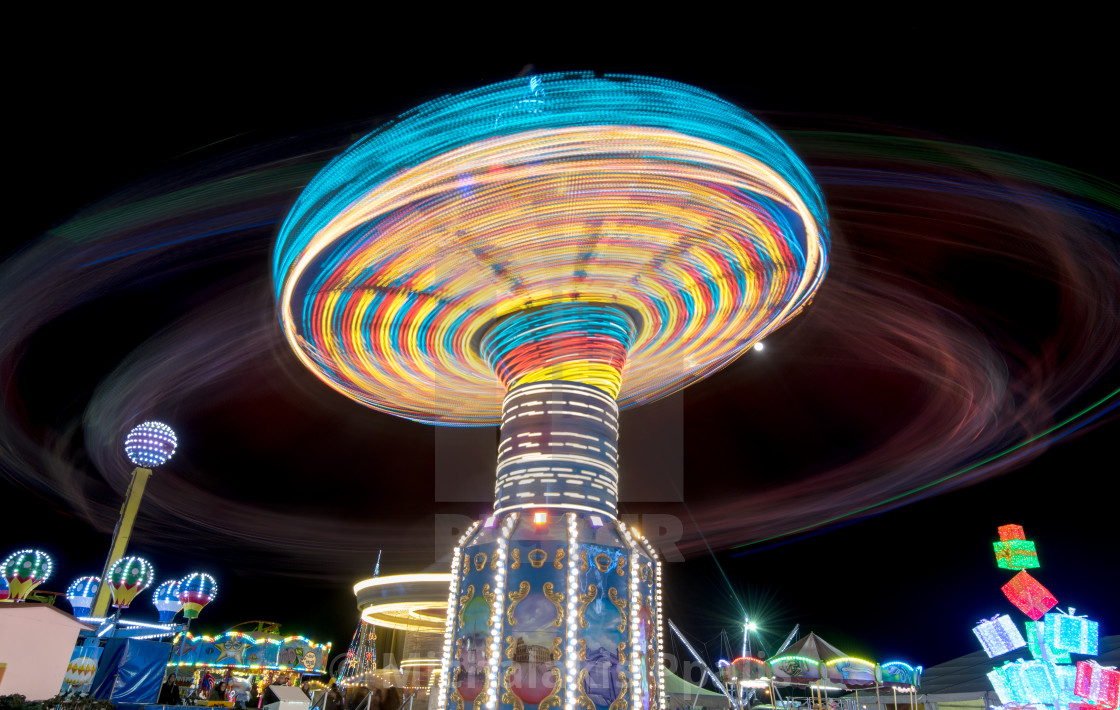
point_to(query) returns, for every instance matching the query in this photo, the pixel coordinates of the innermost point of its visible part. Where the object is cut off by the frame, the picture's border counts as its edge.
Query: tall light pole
(748, 627)
(148, 445)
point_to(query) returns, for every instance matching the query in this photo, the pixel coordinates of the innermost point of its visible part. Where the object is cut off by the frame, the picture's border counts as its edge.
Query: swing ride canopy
(661, 201)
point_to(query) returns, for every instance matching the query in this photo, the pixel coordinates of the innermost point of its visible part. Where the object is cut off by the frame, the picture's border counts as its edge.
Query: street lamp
(748, 627)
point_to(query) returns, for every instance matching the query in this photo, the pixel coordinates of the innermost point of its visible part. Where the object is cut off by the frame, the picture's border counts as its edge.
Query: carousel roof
(813, 646)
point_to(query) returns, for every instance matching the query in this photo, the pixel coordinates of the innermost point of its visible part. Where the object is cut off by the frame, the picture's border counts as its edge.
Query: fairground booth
(250, 653)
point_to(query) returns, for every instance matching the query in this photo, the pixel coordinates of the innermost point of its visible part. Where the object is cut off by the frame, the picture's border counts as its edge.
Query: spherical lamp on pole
(166, 600)
(81, 593)
(24, 570)
(151, 444)
(148, 445)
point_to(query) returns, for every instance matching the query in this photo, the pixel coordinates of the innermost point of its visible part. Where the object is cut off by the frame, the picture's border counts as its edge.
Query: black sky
(100, 111)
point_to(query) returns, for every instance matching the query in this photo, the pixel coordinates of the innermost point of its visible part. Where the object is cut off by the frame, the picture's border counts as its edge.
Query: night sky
(849, 478)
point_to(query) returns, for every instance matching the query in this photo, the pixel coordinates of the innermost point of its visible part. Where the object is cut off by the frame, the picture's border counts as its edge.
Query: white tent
(683, 694)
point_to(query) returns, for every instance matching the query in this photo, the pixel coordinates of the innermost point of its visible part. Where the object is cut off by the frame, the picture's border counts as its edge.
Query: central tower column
(553, 601)
(562, 366)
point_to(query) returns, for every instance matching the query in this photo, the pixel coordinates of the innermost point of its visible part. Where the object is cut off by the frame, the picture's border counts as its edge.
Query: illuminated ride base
(538, 253)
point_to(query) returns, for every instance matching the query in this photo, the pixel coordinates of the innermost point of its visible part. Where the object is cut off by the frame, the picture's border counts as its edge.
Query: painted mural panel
(604, 585)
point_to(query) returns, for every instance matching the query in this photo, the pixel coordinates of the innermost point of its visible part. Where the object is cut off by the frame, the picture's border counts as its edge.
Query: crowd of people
(244, 693)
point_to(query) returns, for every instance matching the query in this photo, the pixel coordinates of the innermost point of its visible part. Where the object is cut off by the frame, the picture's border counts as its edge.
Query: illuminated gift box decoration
(1100, 684)
(1030, 597)
(1015, 554)
(1040, 649)
(1003, 690)
(1011, 532)
(1083, 706)
(1014, 550)
(1075, 634)
(1066, 678)
(1030, 682)
(999, 635)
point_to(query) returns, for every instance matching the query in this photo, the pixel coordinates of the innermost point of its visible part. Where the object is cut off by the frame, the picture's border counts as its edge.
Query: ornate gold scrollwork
(557, 654)
(490, 598)
(510, 644)
(602, 562)
(508, 696)
(620, 702)
(466, 563)
(514, 597)
(622, 653)
(646, 573)
(557, 599)
(537, 557)
(621, 565)
(557, 562)
(582, 650)
(583, 566)
(581, 697)
(584, 600)
(619, 604)
(463, 603)
(552, 700)
(480, 561)
(483, 695)
(455, 699)
(515, 553)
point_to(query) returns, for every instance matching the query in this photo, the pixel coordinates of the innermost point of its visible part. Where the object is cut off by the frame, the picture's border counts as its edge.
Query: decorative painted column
(554, 602)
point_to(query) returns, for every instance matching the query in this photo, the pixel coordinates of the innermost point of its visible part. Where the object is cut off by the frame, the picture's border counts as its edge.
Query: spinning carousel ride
(538, 254)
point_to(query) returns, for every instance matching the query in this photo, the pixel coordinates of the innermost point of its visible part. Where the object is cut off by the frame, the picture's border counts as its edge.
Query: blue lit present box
(1075, 634)
(1066, 684)
(999, 635)
(1040, 649)
(1003, 690)
(1031, 682)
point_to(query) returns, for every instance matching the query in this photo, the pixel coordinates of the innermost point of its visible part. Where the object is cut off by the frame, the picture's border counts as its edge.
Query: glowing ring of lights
(657, 197)
(408, 602)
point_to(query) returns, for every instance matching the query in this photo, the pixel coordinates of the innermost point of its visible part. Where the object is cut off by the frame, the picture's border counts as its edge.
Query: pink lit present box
(1029, 596)
(1097, 683)
(999, 635)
